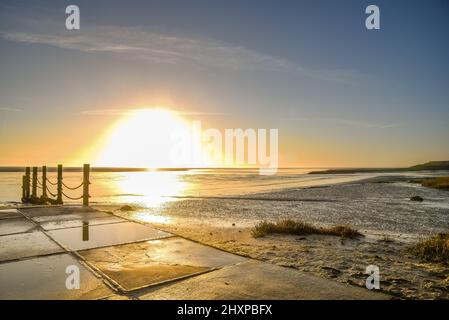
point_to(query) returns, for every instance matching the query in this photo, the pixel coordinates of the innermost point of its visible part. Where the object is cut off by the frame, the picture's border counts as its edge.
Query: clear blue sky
(340, 95)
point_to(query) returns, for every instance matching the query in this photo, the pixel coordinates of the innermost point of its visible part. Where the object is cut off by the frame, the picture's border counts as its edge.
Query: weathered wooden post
(86, 170)
(34, 184)
(44, 182)
(59, 186)
(24, 182)
(27, 183)
(85, 230)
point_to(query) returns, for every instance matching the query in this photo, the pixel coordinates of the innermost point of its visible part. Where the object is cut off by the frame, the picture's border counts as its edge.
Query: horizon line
(143, 169)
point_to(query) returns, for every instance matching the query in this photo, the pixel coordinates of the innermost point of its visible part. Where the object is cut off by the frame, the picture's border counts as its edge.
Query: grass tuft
(342, 231)
(437, 183)
(292, 227)
(433, 249)
(127, 208)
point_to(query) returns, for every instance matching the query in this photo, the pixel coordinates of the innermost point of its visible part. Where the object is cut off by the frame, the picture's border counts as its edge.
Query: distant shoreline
(370, 170)
(94, 169)
(428, 166)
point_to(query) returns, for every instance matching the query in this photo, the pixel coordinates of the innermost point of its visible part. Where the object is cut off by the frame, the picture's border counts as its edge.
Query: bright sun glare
(142, 139)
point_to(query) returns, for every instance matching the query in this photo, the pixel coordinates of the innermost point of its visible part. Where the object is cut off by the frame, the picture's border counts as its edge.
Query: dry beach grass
(293, 227)
(437, 183)
(433, 249)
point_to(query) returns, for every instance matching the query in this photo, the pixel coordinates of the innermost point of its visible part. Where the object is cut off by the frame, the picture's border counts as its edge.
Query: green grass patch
(437, 183)
(433, 249)
(292, 227)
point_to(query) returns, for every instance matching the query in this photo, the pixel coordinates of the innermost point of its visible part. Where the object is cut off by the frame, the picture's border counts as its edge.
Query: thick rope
(52, 183)
(82, 183)
(71, 197)
(51, 193)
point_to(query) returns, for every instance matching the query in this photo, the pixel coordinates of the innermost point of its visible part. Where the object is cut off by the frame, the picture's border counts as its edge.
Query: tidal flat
(379, 208)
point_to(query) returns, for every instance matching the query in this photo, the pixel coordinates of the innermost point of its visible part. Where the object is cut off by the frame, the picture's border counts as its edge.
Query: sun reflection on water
(150, 217)
(152, 188)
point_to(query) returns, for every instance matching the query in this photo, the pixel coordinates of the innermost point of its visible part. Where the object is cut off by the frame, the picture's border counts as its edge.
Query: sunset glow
(227, 150)
(141, 139)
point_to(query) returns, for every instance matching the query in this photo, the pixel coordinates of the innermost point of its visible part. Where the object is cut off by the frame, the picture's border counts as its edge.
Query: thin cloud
(141, 43)
(10, 109)
(350, 123)
(361, 124)
(106, 112)
(121, 112)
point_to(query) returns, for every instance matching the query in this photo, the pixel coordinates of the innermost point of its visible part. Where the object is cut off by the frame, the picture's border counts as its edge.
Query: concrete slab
(46, 214)
(9, 213)
(136, 276)
(15, 225)
(45, 277)
(75, 221)
(138, 265)
(88, 237)
(257, 280)
(24, 245)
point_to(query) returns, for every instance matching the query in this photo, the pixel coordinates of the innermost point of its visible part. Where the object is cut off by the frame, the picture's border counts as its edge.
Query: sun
(141, 139)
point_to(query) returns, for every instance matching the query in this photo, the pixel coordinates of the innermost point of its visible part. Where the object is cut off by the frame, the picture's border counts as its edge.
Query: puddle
(77, 222)
(45, 278)
(16, 225)
(87, 236)
(48, 213)
(138, 265)
(70, 216)
(9, 213)
(26, 245)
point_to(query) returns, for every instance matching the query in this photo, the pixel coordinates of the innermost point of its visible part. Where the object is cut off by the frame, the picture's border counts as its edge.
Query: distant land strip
(431, 165)
(92, 169)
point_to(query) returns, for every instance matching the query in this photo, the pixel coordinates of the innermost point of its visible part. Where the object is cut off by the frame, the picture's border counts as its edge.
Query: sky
(340, 95)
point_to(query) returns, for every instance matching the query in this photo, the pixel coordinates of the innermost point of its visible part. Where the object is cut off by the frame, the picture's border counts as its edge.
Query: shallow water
(45, 278)
(96, 236)
(153, 188)
(243, 197)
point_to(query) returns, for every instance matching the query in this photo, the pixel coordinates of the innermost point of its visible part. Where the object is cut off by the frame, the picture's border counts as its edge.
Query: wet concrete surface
(174, 251)
(45, 278)
(9, 213)
(88, 237)
(74, 222)
(16, 225)
(41, 216)
(132, 260)
(138, 265)
(60, 211)
(24, 245)
(258, 280)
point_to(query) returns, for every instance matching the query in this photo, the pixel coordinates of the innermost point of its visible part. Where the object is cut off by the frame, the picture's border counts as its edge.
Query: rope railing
(52, 183)
(30, 185)
(51, 193)
(78, 198)
(74, 188)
